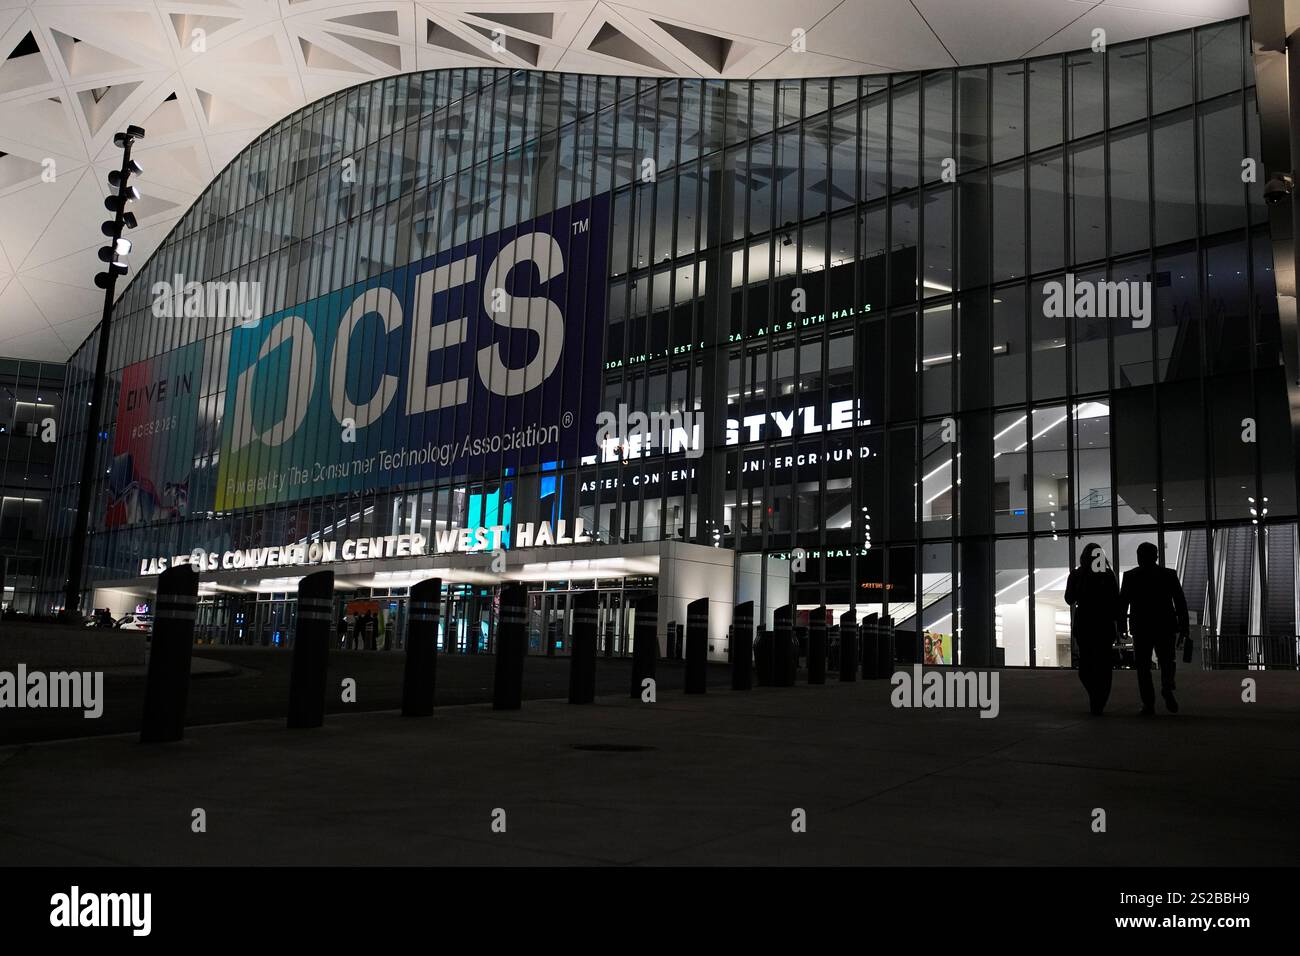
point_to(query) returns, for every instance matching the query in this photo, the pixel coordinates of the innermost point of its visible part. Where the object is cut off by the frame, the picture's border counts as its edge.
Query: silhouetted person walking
(1153, 602)
(1093, 594)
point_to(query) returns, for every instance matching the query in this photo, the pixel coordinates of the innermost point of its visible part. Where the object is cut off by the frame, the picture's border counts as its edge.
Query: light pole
(112, 254)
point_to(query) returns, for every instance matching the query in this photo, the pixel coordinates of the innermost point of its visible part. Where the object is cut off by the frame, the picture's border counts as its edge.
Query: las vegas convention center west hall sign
(477, 540)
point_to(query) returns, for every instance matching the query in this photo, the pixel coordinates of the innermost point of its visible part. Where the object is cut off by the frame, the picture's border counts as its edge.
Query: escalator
(1236, 552)
(1194, 573)
(1280, 571)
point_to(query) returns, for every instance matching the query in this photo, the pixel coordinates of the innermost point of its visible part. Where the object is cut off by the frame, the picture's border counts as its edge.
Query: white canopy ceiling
(76, 71)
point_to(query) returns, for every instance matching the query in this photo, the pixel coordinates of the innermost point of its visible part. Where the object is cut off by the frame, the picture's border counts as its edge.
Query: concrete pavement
(692, 780)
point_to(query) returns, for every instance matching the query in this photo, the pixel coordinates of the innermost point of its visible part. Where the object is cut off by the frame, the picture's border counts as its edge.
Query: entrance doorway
(550, 622)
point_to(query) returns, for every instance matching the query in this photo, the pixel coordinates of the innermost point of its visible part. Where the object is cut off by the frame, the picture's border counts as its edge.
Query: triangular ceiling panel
(526, 50)
(611, 41)
(25, 67)
(194, 30)
(99, 103)
(42, 123)
(538, 24)
(438, 35)
(27, 214)
(224, 110)
(318, 58)
(263, 51)
(83, 59)
(712, 49)
(16, 169)
(387, 53)
(381, 21)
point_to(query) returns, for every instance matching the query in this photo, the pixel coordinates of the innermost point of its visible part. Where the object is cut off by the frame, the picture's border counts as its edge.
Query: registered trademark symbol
(568, 419)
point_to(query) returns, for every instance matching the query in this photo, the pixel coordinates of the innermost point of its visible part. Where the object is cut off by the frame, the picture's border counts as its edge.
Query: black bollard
(681, 642)
(817, 646)
(645, 641)
(697, 646)
(512, 645)
(307, 670)
(168, 682)
(848, 647)
(670, 642)
(742, 647)
(885, 647)
(582, 659)
(785, 660)
(420, 670)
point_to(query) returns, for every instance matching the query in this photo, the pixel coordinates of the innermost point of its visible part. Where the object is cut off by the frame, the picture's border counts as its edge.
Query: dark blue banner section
(477, 360)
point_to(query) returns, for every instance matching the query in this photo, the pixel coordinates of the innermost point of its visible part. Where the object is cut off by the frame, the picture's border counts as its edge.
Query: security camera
(1277, 189)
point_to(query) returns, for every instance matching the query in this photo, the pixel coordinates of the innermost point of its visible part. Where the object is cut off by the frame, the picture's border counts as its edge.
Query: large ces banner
(482, 358)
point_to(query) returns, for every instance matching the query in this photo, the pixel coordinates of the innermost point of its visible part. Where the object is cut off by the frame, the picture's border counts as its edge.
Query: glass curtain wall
(868, 289)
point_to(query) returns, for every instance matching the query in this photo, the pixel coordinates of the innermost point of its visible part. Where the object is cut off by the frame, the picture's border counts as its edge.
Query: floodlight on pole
(113, 255)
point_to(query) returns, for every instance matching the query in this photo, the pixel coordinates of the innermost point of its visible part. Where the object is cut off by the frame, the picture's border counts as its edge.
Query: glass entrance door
(548, 622)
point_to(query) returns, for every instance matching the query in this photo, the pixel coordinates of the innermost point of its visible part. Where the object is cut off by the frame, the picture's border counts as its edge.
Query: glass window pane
(1171, 71)
(905, 139)
(1175, 187)
(1008, 126)
(1045, 98)
(1130, 218)
(1219, 58)
(1051, 468)
(1012, 621)
(1010, 471)
(1088, 201)
(1092, 492)
(1009, 223)
(1221, 154)
(1009, 345)
(1178, 317)
(1051, 614)
(1084, 71)
(1047, 213)
(1133, 435)
(938, 126)
(1127, 65)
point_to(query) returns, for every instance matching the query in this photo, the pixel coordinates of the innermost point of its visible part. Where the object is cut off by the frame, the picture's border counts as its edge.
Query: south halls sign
(483, 357)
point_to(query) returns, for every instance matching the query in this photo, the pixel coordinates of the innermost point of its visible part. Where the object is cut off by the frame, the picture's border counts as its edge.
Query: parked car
(136, 622)
(102, 619)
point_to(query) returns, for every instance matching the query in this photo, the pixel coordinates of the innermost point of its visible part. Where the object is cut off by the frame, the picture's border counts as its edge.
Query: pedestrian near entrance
(1093, 596)
(1156, 609)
